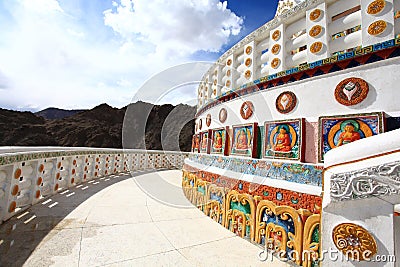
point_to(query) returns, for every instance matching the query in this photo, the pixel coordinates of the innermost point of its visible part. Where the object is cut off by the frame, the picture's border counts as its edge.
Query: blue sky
(79, 53)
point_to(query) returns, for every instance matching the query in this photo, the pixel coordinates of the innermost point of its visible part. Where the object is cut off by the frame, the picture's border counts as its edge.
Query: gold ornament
(377, 27)
(315, 31)
(354, 241)
(248, 62)
(247, 74)
(229, 62)
(249, 50)
(276, 35)
(315, 14)
(275, 49)
(376, 7)
(275, 63)
(316, 47)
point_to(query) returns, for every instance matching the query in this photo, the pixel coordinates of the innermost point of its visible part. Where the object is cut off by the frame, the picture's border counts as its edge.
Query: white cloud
(50, 58)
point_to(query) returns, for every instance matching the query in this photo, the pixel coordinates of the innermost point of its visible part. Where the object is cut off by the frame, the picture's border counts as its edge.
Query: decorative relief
(316, 47)
(276, 35)
(315, 14)
(283, 139)
(275, 49)
(215, 72)
(247, 74)
(315, 31)
(375, 181)
(204, 138)
(208, 120)
(249, 49)
(215, 82)
(218, 141)
(246, 110)
(242, 141)
(229, 62)
(377, 27)
(228, 83)
(286, 102)
(228, 73)
(336, 131)
(354, 241)
(248, 62)
(376, 7)
(351, 91)
(223, 114)
(275, 63)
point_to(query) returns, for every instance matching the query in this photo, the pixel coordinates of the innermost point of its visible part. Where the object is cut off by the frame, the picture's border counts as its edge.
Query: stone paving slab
(115, 221)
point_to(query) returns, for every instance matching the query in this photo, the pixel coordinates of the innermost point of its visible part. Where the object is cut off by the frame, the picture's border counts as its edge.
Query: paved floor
(112, 222)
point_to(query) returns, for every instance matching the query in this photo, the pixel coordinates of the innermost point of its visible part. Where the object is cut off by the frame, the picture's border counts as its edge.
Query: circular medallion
(376, 7)
(315, 31)
(275, 49)
(351, 91)
(354, 241)
(223, 114)
(200, 124)
(246, 110)
(377, 27)
(315, 14)
(208, 120)
(286, 102)
(228, 83)
(248, 62)
(276, 35)
(228, 73)
(316, 47)
(275, 63)
(249, 50)
(229, 62)
(247, 74)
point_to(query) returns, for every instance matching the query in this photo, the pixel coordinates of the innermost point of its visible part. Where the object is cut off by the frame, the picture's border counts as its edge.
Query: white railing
(336, 16)
(28, 175)
(361, 194)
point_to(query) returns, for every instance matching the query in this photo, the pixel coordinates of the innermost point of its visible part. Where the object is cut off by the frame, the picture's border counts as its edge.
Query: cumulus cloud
(51, 58)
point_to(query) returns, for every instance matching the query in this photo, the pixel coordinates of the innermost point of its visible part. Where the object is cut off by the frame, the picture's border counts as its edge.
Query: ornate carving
(249, 49)
(229, 62)
(276, 35)
(246, 110)
(248, 62)
(315, 14)
(247, 74)
(275, 63)
(315, 31)
(376, 7)
(286, 102)
(354, 241)
(275, 49)
(223, 114)
(208, 120)
(316, 47)
(351, 91)
(375, 181)
(377, 27)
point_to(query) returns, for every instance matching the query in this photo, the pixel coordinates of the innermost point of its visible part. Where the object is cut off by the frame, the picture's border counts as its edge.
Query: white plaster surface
(114, 223)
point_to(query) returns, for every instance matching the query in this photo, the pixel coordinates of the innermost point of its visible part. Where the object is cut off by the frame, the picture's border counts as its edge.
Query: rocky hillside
(139, 125)
(56, 113)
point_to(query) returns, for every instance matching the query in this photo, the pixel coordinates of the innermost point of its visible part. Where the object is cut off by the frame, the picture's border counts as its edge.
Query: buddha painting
(283, 142)
(204, 142)
(218, 140)
(242, 140)
(349, 134)
(196, 143)
(283, 139)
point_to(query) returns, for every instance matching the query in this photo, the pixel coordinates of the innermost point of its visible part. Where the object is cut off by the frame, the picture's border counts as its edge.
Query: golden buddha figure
(218, 140)
(349, 135)
(242, 141)
(283, 142)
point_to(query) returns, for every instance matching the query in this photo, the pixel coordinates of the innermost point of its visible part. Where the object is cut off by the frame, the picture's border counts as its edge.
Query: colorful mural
(195, 143)
(218, 141)
(242, 141)
(336, 131)
(283, 139)
(204, 138)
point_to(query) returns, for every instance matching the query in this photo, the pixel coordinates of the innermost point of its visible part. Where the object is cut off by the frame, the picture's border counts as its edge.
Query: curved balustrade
(27, 175)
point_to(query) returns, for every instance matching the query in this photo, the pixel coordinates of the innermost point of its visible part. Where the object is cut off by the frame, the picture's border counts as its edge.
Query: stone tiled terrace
(111, 221)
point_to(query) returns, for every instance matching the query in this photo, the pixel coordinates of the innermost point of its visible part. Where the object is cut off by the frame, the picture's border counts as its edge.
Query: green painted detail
(315, 235)
(201, 189)
(238, 206)
(266, 193)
